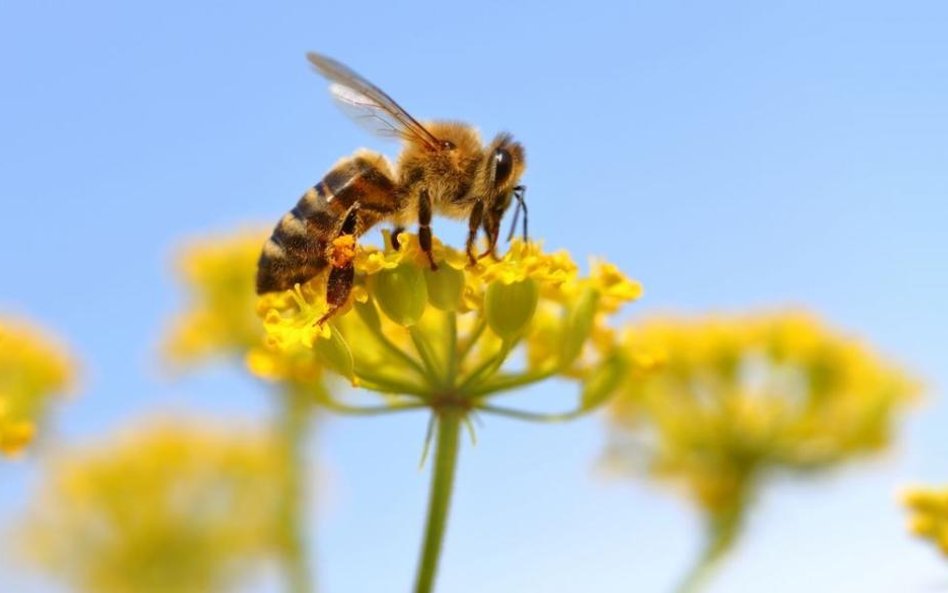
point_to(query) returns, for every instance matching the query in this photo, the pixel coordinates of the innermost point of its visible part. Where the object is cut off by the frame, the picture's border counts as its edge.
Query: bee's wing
(368, 105)
(365, 112)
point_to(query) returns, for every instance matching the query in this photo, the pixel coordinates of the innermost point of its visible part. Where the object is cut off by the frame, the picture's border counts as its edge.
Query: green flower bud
(509, 308)
(401, 293)
(577, 325)
(445, 287)
(368, 314)
(334, 353)
(602, 382)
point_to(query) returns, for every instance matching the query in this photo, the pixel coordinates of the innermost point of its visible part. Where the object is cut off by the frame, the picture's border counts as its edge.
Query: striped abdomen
(296, 251)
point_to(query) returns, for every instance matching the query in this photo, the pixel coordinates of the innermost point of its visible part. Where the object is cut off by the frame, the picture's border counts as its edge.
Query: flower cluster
(447, 336)
(166, 507)
(929, 515)
(220, 313)
(738, 396)
(33, 369)
(218, 273)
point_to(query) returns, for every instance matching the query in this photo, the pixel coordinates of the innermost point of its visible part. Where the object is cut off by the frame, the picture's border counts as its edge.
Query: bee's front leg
(424, 226)
(492, 230)
(473, 224)
(341, 255)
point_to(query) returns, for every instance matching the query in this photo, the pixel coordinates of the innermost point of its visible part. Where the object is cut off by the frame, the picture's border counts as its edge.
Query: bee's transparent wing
(368, 105)
(365, 112)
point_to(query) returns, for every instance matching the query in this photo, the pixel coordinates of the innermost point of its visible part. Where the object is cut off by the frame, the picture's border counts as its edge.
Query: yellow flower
(736, 397)
(928, 509)
(33, 369)
(218, 274)
(164, 507)
(728, 401)
(449, 336)
(220, 317)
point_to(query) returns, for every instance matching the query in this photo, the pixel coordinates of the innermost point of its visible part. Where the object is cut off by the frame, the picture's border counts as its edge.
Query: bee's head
(504, 162)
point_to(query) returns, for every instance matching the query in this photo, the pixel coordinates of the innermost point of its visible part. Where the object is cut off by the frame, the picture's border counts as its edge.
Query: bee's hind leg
(395, 233)
(342, 267)
(424, 226)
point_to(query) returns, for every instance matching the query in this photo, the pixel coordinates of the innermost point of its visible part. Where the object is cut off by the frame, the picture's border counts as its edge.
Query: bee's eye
(503, 165)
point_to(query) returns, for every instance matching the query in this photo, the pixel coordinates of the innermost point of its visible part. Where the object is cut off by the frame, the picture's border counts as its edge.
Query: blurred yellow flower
(928, 509)
(443, 337)
(34, 367)
(734, 398)
(220, 313)
(218, 273)
(164, 507)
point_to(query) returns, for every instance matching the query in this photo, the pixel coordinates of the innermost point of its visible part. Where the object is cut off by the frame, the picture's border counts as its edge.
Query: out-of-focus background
(730, 156)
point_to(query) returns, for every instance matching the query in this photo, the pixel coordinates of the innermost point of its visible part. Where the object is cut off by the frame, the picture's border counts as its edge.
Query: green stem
(532, 416)
(472, 339)
(722, 533)
(428, 358)
(322, 397)
(487, 368)
(451, 321)
(503, 382)
(391, 384)
(293, 424)
(398, 352)
(348, 410)
(442, 483)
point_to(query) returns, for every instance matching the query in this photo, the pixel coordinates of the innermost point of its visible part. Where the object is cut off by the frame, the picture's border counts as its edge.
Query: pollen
(342, 251)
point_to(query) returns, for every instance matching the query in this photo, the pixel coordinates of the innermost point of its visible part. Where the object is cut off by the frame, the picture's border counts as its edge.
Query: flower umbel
(736, 398)
(168, 507)
(446, 337)
(449, 340)
(33, 369)
(928, 509)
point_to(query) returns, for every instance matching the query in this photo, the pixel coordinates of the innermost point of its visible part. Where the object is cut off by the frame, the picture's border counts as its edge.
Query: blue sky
(731, 155)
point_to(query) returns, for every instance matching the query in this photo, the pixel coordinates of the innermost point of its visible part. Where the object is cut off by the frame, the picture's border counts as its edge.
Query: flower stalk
(722, 533)
(449, 420)
(293, 424)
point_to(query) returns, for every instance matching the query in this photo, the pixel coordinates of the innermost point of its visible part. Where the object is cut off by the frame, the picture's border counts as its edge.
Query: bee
(443, 168)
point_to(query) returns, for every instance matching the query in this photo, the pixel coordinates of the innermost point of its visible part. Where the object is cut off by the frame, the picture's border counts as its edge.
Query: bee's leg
(473, 224)
(424, 226)
(492, 230)
(342, 270)
(338, 287)
(518, 193)
(395, 233)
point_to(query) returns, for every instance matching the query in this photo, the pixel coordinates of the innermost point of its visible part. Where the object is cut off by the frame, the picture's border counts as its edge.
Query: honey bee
(443, 168)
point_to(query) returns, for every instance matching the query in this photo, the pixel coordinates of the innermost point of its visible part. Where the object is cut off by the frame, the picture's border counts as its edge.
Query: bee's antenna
(518, 193)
